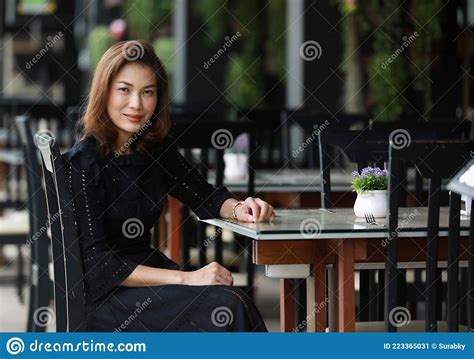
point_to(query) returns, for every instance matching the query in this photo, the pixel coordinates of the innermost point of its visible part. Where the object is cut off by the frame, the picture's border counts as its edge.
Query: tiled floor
(13, 313)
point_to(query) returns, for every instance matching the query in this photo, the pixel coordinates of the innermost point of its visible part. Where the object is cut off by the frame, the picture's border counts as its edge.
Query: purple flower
(355, 173)
(241, 143)
(378, 172)
(373, 171)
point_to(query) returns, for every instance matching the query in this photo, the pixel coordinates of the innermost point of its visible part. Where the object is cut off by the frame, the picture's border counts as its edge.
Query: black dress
(116, 201)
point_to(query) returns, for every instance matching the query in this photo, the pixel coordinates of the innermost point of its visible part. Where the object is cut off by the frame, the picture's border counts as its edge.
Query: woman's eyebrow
(129, 84)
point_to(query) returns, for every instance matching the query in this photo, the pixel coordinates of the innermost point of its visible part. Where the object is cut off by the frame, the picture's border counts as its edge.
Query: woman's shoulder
(83, 154)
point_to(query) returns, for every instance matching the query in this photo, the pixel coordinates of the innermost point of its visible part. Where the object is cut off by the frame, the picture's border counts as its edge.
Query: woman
(120, 174)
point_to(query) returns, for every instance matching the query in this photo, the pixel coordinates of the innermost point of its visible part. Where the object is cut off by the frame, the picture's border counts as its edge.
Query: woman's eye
(148, 92)
(123, 89)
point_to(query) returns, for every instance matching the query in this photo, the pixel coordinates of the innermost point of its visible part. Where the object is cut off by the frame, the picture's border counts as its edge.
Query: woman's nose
(135, 101)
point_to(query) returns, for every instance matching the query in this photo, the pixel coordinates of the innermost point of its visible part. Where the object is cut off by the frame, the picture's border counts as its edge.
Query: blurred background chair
(38, 241)
(213, 138)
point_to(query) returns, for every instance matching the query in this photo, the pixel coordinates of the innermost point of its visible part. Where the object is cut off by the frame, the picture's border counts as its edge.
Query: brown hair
(96, 122)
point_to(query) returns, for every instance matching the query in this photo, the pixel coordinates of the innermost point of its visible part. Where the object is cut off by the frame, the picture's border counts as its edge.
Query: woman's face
(132, 100)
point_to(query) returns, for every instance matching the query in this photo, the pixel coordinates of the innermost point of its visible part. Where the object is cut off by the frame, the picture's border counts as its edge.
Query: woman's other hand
(212, 274)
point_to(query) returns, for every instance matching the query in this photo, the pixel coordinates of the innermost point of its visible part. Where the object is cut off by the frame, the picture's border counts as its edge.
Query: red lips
(133, 118)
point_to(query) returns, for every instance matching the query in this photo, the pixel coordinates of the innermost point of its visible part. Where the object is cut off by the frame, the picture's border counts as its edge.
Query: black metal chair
(270, 136)
(38, 241)
(435, 160)
(14, 194)
(311, 123)
(68, 276)
(203, 135)
(370, 147)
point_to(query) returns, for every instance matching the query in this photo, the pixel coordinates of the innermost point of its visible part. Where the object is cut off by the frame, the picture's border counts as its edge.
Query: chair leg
(300, 293)
(250, 268)
(402, 288)
(380, 295)
(372, 296)
(21, 275)
(201, 234)
(364, 295)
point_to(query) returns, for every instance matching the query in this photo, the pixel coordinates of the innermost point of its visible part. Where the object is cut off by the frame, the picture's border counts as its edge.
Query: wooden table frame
(343, 255)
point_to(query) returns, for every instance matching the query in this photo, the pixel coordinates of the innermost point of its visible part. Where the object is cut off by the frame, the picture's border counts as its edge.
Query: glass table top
(337, 223)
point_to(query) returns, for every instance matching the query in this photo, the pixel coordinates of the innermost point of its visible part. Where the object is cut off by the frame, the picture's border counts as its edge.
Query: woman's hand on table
(254, 210)
(212, 274)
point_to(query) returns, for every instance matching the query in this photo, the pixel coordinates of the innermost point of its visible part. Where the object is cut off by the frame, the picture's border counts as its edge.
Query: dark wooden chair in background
(435, 161)
(269, 136)
(202, 134)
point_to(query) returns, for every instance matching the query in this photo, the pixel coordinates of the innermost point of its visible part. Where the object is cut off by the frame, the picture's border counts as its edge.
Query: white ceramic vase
(235, 165)
(374, 202)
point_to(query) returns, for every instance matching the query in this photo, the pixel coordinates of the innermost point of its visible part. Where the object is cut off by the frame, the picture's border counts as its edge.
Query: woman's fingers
(244, 213)
(254, 210)
(254, 207)
(220, 274)
(266, 211)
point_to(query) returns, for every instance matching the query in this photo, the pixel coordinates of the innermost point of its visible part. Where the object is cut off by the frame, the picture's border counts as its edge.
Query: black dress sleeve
(103, 268)
(188, 186)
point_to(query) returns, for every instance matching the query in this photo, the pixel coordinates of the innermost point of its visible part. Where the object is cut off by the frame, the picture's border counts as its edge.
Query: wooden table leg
(316, 302)
(345, 291)
(287, 305)
(174, 229)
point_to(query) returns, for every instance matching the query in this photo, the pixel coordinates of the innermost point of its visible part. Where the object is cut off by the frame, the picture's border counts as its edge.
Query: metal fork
(370, 219)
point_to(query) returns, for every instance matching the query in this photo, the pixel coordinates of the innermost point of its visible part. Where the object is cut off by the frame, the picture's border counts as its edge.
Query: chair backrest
(435, 160)
(217, 136)
(68, 274)
(369, 146)
(269, 135)
(312, 123)
(38, 240)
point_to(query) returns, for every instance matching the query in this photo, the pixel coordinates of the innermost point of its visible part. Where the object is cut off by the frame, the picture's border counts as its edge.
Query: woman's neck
(123, 145)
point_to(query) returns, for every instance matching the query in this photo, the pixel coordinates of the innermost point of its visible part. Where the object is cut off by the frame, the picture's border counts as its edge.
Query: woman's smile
(133, 118)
